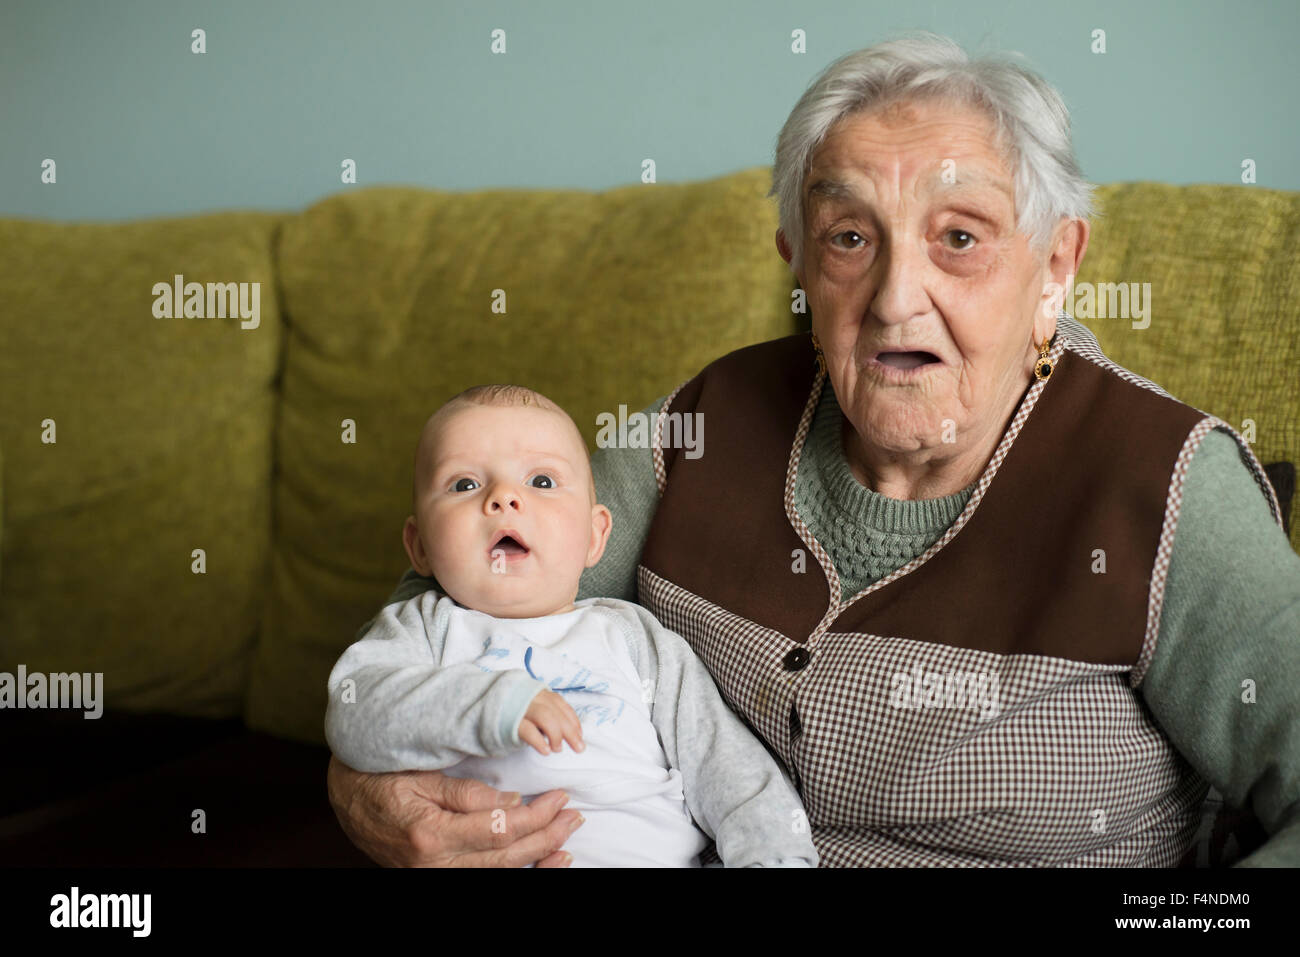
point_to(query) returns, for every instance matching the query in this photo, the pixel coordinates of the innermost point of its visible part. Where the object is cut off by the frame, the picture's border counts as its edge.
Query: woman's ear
(1069, 243)
(415, 547)
(783, 245)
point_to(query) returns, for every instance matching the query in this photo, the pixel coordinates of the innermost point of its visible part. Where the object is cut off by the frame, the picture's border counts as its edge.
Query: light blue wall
(140, 126)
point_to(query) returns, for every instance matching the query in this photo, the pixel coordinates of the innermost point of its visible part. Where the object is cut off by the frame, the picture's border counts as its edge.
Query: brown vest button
(797, 659)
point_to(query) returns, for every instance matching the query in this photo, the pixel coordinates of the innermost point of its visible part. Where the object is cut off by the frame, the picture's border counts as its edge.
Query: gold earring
(1043, 367)
(821, 359)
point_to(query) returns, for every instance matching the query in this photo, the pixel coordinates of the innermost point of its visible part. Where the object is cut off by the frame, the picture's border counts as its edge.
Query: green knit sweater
(1231, 606)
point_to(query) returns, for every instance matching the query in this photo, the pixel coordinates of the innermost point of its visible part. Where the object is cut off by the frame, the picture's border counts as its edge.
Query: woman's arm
(1224, 677)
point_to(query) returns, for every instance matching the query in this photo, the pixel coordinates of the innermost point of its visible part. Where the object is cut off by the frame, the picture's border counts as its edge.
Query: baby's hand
(550, 717)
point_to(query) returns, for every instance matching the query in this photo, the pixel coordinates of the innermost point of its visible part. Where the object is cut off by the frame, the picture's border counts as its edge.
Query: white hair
(1031, 125)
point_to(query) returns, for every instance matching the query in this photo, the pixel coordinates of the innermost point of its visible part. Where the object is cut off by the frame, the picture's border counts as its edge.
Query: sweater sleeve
(736, 791)
(394, 707)
(1223, 678)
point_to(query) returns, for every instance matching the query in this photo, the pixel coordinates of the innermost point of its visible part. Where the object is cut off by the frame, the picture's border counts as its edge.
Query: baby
(490, 675)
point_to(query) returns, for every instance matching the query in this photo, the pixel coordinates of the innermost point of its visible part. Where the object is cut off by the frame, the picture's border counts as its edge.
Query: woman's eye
(964, 239)
(550, 482)
(847, 232)
(460, 485)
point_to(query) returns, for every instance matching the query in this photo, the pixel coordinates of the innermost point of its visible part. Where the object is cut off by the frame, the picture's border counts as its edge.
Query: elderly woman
(990, 598)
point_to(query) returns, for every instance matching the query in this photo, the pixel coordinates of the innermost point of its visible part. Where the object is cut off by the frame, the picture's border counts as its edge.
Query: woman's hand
(426, 819)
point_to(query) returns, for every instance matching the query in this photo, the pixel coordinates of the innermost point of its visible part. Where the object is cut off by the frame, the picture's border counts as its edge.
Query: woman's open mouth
(900, 366)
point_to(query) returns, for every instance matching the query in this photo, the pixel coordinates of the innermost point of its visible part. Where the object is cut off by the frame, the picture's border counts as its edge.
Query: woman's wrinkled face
(923, 295)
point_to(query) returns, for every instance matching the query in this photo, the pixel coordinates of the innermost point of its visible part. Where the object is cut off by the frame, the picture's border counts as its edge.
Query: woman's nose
(901, 294)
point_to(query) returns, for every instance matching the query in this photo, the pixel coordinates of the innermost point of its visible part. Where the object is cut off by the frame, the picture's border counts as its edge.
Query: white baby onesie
(633, 803)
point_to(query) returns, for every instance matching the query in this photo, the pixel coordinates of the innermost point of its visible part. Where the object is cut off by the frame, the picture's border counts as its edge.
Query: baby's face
(487, 471)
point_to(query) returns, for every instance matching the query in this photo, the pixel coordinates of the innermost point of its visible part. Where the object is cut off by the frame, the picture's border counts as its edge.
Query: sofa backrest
(137, 451)
(284, 452)
(1218, 267)
(400, 298)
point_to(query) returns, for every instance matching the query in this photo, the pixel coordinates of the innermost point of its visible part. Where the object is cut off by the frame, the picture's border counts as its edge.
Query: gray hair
(1031, 124)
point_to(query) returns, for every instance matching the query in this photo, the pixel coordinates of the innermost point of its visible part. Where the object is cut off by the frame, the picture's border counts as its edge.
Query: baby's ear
(415, 547)
(601, 523)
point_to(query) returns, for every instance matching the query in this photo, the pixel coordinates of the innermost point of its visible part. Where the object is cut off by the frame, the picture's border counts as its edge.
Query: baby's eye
(965, 239)
(550, 482)
(460, 485)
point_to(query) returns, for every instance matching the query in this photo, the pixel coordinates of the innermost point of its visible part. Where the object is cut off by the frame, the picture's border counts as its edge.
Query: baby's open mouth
(906, 360)
(509, 542)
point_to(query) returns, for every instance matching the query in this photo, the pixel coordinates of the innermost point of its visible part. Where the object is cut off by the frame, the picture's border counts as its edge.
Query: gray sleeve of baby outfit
(737, 793)
(393, 706)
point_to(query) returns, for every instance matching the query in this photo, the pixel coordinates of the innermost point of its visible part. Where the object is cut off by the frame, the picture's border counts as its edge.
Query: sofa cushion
(609, 299)
(161, 445)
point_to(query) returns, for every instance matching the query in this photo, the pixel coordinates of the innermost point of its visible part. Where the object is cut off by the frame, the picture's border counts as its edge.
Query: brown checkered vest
(978, 706)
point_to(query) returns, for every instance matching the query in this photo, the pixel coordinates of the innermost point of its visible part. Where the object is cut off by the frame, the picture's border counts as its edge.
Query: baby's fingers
(560, 727)
(567, 728)
(571, 725)
(575, 739)
(555, 732)
(549, 731)
(573, 731)
(529, 734)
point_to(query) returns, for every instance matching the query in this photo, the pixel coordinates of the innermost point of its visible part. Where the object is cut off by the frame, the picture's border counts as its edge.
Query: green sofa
(205, 509)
